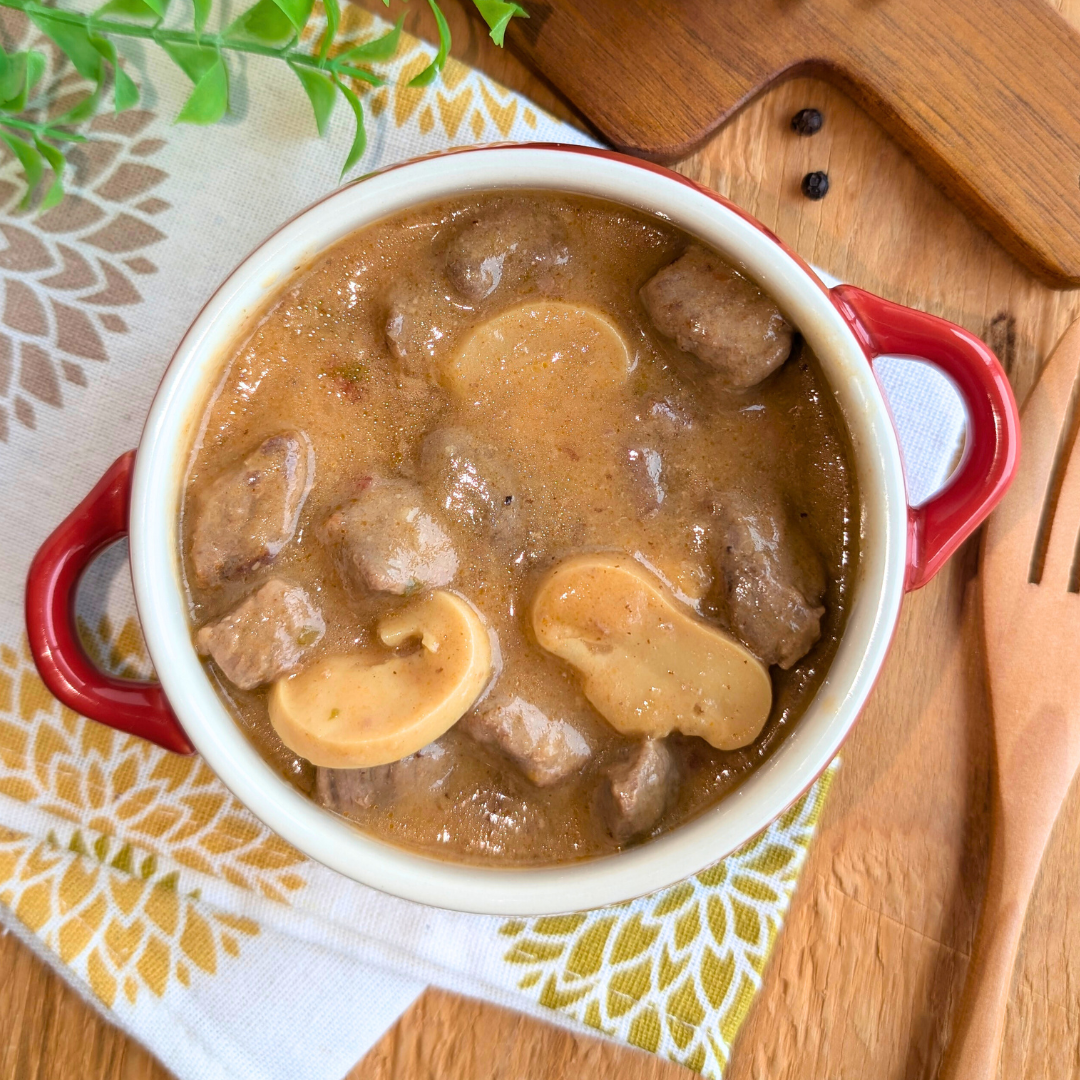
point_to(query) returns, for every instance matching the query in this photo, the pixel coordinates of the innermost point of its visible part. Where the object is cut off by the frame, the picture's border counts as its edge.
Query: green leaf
(356, 73)
(57, 135)
(125, 92)
(193, 60)
(321, 93)
(74, 42)
(22, 73)
(263, 24)
(436, 65)
(359, 143)
(205, 67)
(209, 100)
(12, 75)
(32, 67)
(31, 162)
(333, 19)
(497, 14)
(56, 163)
(138, 11)
(381, 48)
(35, 68)
(202, 13)
(296, 11)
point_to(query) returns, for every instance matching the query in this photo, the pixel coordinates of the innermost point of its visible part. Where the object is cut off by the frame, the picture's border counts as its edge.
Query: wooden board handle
(986, 93)
(987, 96)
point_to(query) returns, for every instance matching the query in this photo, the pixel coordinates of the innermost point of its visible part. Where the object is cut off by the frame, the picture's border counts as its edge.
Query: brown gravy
(598, 465)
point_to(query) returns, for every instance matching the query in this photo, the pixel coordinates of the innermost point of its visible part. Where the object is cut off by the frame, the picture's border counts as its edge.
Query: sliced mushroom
(534, 349)
(650, 665)
(356, 710)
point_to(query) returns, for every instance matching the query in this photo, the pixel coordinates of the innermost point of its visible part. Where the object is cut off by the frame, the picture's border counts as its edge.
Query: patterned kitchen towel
(134, 872)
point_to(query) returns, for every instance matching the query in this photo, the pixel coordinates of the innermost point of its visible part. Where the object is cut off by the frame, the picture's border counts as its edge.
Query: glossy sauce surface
(607, 451)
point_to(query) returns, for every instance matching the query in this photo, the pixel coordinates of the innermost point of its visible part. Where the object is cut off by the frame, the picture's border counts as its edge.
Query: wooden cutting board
(985, 93)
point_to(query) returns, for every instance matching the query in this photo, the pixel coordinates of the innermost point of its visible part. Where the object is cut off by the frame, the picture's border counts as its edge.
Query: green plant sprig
(272, 28)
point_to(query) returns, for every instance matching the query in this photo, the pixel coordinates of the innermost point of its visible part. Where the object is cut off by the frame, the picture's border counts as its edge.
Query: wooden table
(869, 967)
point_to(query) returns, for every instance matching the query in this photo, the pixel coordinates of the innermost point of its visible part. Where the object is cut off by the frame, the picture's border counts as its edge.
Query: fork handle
(1015, 856)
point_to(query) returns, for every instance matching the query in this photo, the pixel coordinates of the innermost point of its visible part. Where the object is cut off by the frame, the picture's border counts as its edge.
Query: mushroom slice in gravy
(649, 664)
(369, 708)
(534, 348)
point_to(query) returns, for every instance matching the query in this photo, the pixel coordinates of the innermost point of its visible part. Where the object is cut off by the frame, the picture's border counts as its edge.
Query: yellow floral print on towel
(95, 893)
(674, 972)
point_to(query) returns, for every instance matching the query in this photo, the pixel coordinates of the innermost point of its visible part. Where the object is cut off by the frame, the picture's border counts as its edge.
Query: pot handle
(137, 708)
(992, 449)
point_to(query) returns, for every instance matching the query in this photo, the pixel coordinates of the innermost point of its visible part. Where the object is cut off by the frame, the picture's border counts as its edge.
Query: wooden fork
(1031, 616)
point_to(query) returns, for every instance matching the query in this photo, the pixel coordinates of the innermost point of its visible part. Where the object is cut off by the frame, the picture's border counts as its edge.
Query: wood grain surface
(985, 93)
(1031, 619)
(867, 973)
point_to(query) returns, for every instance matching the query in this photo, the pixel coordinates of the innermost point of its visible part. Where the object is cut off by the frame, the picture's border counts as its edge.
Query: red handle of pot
(137, 708)
(938, 527)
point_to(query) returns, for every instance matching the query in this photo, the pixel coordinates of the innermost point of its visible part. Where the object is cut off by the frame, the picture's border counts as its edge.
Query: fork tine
(1061, 546)
(1048, 429)
(1061, 552)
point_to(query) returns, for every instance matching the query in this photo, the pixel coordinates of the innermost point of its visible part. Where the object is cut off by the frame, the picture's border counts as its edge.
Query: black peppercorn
(807, 122)
(815, 185)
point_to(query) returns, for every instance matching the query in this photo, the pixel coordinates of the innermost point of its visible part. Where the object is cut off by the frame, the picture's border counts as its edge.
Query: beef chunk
(719, 316)
(770, 583)
(472, 483)
(265, 637)
(387, 542)
(639, 789)
(348, 790)
(546, 750)
(503, 247)
(249, 513)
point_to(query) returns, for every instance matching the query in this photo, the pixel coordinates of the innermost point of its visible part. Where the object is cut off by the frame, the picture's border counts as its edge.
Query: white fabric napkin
(134, 872)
